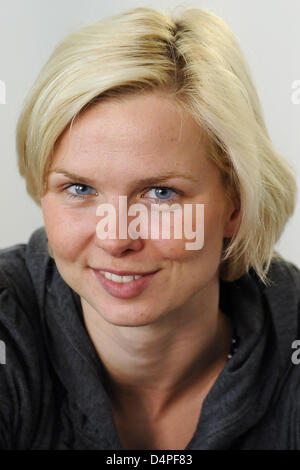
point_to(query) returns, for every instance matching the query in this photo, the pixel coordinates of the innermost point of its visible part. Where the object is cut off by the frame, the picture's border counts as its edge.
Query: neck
(161, 360)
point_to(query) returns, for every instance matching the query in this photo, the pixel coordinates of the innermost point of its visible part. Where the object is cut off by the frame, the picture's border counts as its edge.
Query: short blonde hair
(197, 59)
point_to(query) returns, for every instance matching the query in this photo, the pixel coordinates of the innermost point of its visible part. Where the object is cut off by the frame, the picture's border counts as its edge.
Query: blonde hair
(197, 59)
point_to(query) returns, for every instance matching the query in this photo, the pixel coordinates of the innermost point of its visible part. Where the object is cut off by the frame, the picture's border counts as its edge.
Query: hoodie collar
(265, 319)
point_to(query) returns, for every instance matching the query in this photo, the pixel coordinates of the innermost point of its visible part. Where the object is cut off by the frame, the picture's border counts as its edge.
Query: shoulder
(23, 269)
(283, 289)
(16, 261)
(283, 281)
(277, 302)
(281, 292)
(280, 272)
(283, 271)
(20, 266)
(23, 363)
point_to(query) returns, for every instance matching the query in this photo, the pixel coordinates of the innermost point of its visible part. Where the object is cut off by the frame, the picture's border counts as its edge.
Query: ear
(233, 219)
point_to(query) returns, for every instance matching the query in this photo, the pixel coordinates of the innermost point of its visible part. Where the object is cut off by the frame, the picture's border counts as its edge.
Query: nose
(119, 247)
(111, 232)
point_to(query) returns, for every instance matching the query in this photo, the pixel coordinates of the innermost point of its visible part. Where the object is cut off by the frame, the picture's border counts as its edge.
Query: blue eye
(80, 191)
(163, 192)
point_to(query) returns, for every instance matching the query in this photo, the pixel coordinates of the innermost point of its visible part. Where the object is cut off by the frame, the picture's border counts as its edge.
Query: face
(149, 149)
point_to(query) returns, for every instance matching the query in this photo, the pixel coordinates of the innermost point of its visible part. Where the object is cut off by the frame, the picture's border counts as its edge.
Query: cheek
(173, 233)
(208, 227)
(67, 229)
(170, 250)
(193, 269)
(213, 226)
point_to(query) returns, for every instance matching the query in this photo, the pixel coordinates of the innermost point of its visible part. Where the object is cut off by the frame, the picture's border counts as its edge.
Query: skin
(164, 348)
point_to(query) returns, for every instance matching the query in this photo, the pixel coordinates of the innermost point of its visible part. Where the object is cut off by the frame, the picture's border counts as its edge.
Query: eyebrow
(149, 180)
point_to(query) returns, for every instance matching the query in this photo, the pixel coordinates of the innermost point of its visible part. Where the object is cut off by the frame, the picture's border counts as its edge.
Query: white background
(269, 35)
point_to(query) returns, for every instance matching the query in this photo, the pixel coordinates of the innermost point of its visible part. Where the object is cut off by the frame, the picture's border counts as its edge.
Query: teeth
(116, 278)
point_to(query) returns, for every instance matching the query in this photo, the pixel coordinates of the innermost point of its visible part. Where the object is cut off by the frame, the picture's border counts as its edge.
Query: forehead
(145, 127)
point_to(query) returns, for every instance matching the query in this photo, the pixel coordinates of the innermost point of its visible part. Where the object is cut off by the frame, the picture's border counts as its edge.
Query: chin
(134, 317)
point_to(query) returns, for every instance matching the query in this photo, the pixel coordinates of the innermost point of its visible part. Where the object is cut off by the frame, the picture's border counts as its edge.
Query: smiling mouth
(124, 286)
(123, 276)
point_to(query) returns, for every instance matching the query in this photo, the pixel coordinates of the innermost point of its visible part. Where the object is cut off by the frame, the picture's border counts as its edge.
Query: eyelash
(176, 193)
(80, 197)
(76, 196)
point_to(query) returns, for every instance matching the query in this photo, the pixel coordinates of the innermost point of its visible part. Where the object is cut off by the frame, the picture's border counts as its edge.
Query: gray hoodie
(51, 390)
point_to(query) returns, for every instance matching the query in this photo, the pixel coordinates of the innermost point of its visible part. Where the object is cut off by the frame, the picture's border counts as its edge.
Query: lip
(125, 273)
(125, 290)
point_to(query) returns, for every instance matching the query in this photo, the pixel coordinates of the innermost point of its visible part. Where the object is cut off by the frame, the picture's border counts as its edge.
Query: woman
(137, 342)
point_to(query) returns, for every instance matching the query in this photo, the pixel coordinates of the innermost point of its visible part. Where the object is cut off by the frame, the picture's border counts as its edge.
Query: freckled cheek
(69, 231)
(174, 249)
(170, 250)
